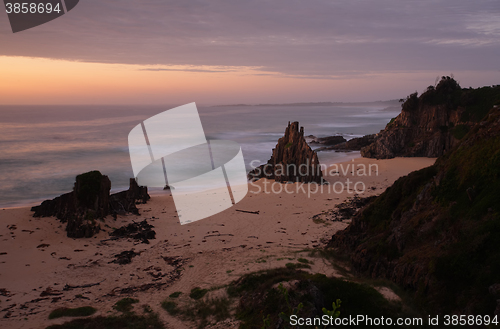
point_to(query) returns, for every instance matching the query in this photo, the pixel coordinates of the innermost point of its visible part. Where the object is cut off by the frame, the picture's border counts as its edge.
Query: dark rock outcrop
(125, 201)
(125, 257)
(80, 208)
(328, 141)
(355, 144)
(343, 211)
(432, 124)
(89, 201)
(141, 231)
(293, 160)
(427, 234)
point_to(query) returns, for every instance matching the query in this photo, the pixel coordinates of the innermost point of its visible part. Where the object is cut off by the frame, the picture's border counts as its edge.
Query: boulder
(293, 160)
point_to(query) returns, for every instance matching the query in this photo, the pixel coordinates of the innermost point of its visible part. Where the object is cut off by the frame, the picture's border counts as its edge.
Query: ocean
(43, 148)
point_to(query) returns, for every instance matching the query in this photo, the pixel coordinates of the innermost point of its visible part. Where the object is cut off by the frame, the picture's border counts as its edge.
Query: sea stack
(293, 160)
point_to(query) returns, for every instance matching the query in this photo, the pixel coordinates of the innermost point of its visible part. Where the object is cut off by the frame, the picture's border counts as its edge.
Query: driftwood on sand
(249, 212)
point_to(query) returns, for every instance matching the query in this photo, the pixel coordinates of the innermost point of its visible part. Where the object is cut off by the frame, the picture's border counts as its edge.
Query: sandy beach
(42, 269)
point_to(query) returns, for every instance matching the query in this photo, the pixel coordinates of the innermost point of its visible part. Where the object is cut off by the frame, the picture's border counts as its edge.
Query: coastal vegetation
(264, 295)
(128, 319)
(124, 321)
(125, 305)
(435, 231)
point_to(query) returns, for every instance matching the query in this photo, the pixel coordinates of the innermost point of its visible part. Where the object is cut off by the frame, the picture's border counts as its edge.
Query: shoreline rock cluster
(90, 200)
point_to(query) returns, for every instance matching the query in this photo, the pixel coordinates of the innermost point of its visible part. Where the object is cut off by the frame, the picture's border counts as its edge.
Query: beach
(42, 269)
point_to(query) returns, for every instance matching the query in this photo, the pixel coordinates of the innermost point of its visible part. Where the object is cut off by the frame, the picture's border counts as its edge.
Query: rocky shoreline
(89, 201)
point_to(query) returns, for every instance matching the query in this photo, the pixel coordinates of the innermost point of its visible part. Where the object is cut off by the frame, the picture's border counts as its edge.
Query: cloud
(184, 70)
(484, 23)
(316, 38)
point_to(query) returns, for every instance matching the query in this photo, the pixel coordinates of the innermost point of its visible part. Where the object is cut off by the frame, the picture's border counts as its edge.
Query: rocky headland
(433, 123)
(435, 231)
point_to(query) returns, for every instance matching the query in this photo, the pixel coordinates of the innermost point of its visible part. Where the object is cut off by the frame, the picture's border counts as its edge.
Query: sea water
(43, 148)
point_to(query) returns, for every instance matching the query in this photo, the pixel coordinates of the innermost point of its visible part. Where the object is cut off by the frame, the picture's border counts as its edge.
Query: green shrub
(197, 293)
(201, 311)
(170, 307)
(296, 265)
(315, 292)
(175, 294)
(79, 311)
(391, 122)
(125, 305)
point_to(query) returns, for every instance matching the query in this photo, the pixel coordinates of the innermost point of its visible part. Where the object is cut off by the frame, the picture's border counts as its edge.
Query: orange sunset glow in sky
(32, 81)
(253, 52)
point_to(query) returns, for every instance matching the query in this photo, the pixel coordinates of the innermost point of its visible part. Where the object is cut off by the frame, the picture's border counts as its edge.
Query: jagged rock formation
(432, 124)
(90, 200)
(435, 232)
(355, 144)
(292, 160)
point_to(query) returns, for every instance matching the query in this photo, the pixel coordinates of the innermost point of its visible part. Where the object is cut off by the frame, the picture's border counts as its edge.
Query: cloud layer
(304, 39)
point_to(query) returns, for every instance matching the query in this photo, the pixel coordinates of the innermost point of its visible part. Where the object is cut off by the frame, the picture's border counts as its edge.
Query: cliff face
(90, 200)
(422, 134)
(293, 160)
(435, 231)
(432, 124)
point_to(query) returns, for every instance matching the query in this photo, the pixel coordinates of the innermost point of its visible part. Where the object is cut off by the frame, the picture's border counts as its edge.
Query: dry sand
(36, 256)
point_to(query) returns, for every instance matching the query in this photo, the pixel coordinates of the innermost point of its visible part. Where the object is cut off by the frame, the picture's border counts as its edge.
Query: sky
(248, 51)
